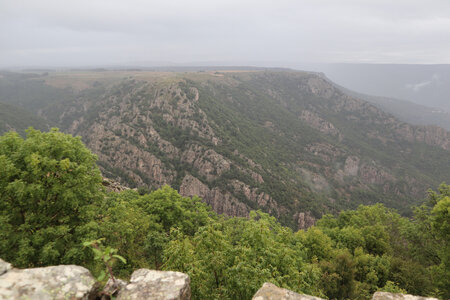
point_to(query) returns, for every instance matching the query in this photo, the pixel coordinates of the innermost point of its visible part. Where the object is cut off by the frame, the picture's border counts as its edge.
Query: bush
(49, 188)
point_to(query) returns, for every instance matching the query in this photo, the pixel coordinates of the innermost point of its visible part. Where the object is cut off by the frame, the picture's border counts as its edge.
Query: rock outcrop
(316, 122)
(57, 282)
(4, 267)
(270, 291)
(77, 283)
(113, 186)
(392, 296)
(304, 220)
(157, 285)
(222, 203)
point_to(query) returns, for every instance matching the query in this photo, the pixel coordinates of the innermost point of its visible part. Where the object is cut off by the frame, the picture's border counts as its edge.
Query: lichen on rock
(157, 285)
(270, 291)
(57, 282)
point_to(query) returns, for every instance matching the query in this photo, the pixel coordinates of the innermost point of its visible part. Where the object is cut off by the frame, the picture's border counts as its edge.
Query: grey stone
(392, 296)
(113, 288)
(157, 285)
(270, 291)
(58, 282)
(4, 267)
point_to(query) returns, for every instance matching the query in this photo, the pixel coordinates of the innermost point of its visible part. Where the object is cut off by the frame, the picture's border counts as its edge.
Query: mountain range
(290, 143)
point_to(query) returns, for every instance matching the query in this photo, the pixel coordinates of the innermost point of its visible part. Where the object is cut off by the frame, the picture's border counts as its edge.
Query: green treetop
(49, 185)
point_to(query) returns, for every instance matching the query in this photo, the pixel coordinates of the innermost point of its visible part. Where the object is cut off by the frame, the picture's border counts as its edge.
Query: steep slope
(289, 143)
(19, 119)
(406, 111)
(424, 84)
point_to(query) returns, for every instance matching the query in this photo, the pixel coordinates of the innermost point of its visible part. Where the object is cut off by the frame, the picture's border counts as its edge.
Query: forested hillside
(288, 143)
(19, 119)
(407, 111)
(53, 204)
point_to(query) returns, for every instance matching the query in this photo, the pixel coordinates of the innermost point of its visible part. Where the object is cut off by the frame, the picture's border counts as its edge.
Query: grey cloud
(55, 32)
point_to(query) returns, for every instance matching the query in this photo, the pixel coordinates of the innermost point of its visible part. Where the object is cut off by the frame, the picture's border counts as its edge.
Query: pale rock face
(207, 161)
(351, 166)
(318, 123)
(4, 266)
(304, 220)
(157, 285)
(430, 135)
(222, 203)
(113, 186)
(370, 173)
(270, 291)
(58, 282)
(326, 152)
(392, 296)
(112, 287)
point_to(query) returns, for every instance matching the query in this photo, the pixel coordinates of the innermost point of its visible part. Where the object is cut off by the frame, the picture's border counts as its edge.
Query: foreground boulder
(112, 287)
(59, 282)
(392, 296)
(157, 285)
(270, 291)
(4, 266)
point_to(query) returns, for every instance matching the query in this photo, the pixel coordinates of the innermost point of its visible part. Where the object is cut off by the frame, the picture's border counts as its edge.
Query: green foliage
(440, 222)
(52, 203)
(232, 258)
(49, 189)
(392, 287)
(19, 119)
(338, 276)
(106, 255)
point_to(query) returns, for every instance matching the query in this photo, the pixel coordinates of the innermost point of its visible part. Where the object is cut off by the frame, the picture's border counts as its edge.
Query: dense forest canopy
(52, 200)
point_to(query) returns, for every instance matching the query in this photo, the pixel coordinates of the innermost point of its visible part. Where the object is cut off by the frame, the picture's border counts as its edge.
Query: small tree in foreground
(49, 188)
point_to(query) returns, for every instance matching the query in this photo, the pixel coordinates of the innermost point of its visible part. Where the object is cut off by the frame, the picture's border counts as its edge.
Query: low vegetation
(52, 201)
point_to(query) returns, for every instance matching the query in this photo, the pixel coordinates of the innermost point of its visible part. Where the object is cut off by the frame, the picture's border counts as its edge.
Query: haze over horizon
(263, 33)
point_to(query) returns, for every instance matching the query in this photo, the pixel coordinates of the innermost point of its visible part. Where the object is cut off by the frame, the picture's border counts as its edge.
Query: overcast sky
(113, 32)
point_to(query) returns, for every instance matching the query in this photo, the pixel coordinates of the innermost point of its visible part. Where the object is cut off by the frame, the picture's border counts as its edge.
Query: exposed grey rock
(59, 282)
(316, 122)
(112, 288)
(222, 203)
(113, 186)
(304, 220)
(270, 291)
(156, 285)
(4, 266)
(392, 296)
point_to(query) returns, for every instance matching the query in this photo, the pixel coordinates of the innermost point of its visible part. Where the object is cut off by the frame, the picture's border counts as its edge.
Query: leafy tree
(232, 258)
(440, 216)
(338, 276)
(125, 227)
(105, 255)
(139, 226)
(49, 189)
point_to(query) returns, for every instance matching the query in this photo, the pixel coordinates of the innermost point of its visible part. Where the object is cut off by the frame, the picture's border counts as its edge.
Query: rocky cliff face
(288, 143)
